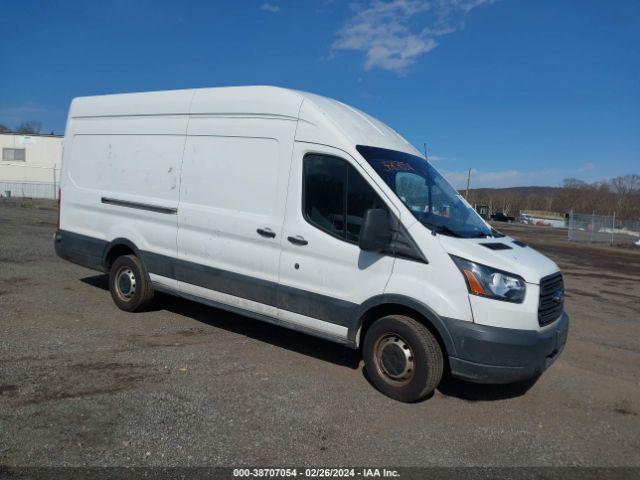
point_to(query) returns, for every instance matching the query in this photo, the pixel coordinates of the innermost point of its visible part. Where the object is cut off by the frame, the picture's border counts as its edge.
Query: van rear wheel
(130, 288)
(402, 358)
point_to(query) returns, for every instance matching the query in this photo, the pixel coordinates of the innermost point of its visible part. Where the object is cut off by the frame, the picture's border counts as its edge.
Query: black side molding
(139, 206)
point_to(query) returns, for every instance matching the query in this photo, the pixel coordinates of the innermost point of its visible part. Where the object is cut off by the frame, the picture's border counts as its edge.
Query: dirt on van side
(83, 383)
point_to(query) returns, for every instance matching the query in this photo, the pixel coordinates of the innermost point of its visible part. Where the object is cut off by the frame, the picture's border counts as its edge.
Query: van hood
(501, 253)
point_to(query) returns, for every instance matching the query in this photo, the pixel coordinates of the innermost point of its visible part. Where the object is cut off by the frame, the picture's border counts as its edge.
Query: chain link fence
(29, 181)
(592, 228)
(29, 190)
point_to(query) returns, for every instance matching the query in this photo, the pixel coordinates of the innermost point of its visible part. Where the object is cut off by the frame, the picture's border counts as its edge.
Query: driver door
(324, 276)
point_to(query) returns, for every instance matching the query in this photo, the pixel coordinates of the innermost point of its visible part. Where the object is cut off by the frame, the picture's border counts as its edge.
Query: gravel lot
(82, 383)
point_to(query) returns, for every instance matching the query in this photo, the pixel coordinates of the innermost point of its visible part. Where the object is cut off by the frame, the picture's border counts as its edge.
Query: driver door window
(336, 196)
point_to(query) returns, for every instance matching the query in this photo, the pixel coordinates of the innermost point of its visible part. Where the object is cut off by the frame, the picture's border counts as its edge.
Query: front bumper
(502, 355)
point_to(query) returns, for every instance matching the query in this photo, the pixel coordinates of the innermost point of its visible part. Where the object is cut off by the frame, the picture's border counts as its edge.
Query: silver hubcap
(125, 283)
(394, 358)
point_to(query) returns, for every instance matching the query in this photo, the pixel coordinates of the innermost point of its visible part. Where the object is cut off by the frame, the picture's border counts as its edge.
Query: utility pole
(466, 194)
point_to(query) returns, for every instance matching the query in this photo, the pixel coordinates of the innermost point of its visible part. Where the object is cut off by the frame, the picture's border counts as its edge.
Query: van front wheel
(130, 289)
(402, 358)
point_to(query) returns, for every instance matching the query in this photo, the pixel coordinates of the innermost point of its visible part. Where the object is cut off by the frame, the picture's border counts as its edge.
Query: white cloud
(587, 168)
(505, 178)
(269, 7)
(386, 30)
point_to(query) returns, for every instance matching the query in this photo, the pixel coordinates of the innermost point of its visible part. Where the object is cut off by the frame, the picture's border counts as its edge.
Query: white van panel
(234, 178)
(140, 167)
(231, 174)
(443, 291)
(130, 125)
(330, 122)
(522, 316)
(114, 161)
(144, 103)
(246, 101)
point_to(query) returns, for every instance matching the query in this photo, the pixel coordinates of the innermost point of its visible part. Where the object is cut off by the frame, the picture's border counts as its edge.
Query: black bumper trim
(502, 355)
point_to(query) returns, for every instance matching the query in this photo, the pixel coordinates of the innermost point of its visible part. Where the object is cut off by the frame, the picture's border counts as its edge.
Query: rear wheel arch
(117, 248)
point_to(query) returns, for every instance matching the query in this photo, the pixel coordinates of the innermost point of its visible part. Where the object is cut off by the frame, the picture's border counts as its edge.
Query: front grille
(551, 298)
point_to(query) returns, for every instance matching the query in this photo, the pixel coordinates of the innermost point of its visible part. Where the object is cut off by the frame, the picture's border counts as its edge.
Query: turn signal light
(474, 284)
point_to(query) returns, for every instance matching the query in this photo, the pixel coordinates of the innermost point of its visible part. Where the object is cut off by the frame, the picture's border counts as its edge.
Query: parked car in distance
(502, 217)
(301, 211)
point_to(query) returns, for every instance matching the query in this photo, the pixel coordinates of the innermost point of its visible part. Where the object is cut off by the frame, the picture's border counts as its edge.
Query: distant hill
(619, 195)
(524, 191)
(512, 200)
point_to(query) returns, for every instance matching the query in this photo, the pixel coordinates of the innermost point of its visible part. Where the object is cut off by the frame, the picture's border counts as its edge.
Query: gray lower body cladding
(477, 353)
(81, 249)
(91, 252)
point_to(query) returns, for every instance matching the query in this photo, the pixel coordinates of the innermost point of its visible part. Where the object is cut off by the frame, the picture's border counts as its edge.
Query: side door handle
(297, 240)
(266, 232)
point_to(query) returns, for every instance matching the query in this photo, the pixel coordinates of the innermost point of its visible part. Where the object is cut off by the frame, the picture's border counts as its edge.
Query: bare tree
(29, 126)
(627, 191)
(4, 129)
(620, 195)
(627, 185)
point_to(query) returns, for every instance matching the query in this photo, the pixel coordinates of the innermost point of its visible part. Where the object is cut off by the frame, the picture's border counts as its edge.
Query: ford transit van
(306, 213)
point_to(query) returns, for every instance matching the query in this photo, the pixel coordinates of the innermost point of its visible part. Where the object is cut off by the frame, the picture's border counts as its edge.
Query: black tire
(402, 358)
(127, 270)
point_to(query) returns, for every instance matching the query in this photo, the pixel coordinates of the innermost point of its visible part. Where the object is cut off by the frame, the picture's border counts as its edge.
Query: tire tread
(146, 290)
(434, 357)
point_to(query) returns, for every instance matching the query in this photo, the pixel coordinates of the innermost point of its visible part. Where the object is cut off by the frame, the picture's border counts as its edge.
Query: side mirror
(375, 235)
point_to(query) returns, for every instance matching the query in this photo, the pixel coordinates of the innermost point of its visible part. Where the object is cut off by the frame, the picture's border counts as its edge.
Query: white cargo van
(304, 212)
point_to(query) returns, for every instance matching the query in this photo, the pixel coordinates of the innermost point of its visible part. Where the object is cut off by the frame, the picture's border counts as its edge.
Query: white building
(30, 165)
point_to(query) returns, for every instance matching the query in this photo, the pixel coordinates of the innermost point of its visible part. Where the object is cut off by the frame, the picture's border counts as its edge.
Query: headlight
(491, 283)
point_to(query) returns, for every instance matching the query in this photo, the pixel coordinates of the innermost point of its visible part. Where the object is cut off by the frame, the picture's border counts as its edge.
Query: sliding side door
(232, 202)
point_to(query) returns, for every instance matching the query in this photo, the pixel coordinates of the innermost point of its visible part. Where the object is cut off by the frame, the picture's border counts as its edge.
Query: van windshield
(425, 192)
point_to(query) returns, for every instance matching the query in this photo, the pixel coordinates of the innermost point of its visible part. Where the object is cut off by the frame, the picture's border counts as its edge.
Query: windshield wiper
(445, 230)
(481, 235)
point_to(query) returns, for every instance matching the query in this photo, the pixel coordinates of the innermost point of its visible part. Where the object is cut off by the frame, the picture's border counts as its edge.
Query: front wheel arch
(390, 304)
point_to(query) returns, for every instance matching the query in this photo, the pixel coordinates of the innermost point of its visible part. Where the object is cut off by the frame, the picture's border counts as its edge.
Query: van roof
(322, 120)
